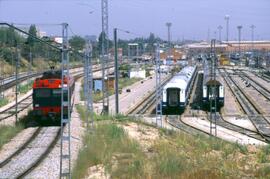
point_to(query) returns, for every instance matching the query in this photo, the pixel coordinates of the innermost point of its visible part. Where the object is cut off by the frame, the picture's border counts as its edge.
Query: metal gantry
(158, 89)
(65, 154)
(213, 98)
(104, 55)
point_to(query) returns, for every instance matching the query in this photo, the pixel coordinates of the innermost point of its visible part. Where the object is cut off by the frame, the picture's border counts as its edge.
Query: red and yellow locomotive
(47, 93)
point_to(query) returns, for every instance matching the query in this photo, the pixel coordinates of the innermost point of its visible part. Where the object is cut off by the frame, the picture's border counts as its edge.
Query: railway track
(176, 121)
(147, 104)
(220, 121)
(27, 101)
(257, 86)
(11, 111)
(260, 123)
(33, 152)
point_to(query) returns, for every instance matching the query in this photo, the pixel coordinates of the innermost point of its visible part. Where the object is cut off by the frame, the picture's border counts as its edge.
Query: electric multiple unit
(177, 91)
(212, 85)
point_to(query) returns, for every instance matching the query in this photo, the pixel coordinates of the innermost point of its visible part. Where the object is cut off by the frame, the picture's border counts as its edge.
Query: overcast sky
(191, 19)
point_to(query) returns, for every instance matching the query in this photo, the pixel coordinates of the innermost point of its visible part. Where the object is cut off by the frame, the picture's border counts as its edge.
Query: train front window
(56, 92)
(173, 97)
(43, 93)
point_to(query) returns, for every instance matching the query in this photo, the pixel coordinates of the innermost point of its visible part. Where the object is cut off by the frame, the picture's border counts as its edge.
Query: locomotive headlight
(36, 105)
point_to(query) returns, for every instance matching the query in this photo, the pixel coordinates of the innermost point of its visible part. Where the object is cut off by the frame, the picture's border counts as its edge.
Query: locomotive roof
(52, 74)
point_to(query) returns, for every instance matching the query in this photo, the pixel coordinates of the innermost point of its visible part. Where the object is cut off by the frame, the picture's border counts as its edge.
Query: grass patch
(3, 101)
(25, 87)
(119, 117)
(173, 155)
(8, 132)
(263, 155)
(110, 146)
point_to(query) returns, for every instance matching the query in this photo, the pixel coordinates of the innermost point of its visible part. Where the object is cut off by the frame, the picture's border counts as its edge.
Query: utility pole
(105, 57)
(16, 77)
(65, 154)
(158, 89)
(227, 19)
(239, 40)
(213, 97)
(219, 33)
(116, 72)
(1, 81)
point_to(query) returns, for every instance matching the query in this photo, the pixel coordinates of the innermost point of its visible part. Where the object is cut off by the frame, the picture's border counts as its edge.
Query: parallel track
(250, 133)
(147, 103)
(27, 101)
(26, 146)
(13, 167)
(260, 123)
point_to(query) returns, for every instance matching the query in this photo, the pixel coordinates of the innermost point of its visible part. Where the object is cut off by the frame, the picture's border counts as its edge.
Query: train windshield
(173, 97)
(43, 93)
(56, 92)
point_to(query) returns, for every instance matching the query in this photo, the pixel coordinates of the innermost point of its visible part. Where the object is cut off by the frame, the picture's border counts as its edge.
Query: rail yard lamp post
(252, 37)
(227, 19)
(219, 33)
(239, 40)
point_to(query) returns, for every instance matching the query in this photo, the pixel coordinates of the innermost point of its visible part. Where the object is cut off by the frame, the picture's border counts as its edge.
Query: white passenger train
(176, 92)
(211, 86)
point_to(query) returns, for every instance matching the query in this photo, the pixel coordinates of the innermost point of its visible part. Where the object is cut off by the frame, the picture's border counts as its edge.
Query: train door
(173, 96)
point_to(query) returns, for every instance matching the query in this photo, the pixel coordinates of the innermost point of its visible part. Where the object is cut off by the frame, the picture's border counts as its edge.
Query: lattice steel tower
(213, 88)
(104, 55)
(88, 86)
(65, 158)
(158, 89)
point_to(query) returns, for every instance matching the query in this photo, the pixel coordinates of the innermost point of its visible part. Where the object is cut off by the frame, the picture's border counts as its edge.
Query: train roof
(181, 79)
(208, 76)
(52, 74)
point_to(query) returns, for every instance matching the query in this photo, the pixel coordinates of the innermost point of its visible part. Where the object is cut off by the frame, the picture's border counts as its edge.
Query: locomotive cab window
(56, 92)
(43, 93)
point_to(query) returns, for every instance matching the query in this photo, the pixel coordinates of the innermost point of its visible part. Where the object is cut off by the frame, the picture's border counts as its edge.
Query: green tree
(31, 40)
(77, 43)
